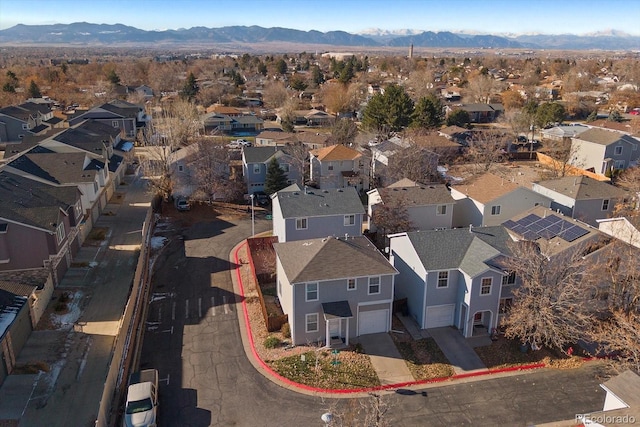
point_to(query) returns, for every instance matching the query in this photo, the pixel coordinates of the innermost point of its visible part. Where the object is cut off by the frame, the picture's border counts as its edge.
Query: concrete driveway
(456, 348)
(385, 358)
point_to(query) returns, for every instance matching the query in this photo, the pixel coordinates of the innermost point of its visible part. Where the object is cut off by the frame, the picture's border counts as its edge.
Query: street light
(253, 227)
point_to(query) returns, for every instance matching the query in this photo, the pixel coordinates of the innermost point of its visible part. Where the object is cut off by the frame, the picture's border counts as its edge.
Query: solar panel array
(533, 227)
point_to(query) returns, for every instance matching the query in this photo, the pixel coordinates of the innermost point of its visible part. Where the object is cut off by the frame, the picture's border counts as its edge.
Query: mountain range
(88, 34)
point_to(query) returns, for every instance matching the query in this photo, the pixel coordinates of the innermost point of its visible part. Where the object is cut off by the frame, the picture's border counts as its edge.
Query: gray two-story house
(255, 162)
(338, 166)
(122, 115)
(312, 213)
(454, 277)
(581, 197)
(601, 150)
(333, 289)
(429, 206)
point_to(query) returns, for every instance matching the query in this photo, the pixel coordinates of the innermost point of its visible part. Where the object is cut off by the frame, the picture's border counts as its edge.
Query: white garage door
(372, 322)
(440, 315)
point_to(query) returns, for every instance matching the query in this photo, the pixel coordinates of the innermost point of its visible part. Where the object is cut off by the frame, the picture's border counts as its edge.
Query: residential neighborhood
(372, 223)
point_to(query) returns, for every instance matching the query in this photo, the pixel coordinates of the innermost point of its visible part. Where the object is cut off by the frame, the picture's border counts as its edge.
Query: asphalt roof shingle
(299, 204)
(583, 188)
(331, 258)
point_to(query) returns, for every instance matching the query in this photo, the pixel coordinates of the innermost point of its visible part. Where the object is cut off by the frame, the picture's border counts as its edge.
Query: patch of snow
(93, 264)
(66, 321)
(158, 242)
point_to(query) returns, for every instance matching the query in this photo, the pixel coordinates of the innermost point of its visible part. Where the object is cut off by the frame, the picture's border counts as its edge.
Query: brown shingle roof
(336, 152)
(486, 187)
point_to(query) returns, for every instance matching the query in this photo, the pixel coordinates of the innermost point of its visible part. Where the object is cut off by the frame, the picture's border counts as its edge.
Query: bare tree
(487, 148)
(299, 156)
(565, 154)
(550, 307)
(483, 88)
(211, 173)
(172, 128)
(390, 217)
(369, 412)
(413, 162)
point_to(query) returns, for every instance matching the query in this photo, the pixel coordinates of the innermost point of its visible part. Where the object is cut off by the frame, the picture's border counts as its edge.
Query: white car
(239, 143)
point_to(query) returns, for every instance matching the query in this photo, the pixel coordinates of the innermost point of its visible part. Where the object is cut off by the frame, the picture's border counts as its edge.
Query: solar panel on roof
(509, 224)
(545, 222)
(530, 235)
(573, 233)
(555, 228)
(528, 220)
(536, 226)
(546, 234)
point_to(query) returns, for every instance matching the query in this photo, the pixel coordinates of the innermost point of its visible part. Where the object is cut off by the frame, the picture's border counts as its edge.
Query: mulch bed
(504, 353)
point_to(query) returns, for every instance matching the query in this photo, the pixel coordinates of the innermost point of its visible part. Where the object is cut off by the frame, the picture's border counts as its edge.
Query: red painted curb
(354, 390)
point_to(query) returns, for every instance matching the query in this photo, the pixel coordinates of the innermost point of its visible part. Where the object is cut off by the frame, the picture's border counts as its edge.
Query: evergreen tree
(34, 90)
(458, 118)
(615, 116)
(592, 117)
(190, 88)
(113, 78)
(276, 178)
(390, 111)
(428, 113)
(281, 67)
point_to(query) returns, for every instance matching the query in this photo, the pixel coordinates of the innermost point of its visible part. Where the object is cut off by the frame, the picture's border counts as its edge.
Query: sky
(353, 16)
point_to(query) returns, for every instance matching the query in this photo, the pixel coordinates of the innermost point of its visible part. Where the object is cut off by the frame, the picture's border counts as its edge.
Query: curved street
(193, 338)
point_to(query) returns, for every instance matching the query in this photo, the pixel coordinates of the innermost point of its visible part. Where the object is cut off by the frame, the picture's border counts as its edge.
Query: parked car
(239, 143)
(635, 112)
(141, 407)
(262, 198)
(182, 204)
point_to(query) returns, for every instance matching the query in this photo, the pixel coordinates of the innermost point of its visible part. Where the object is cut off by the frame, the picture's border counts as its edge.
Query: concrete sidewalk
(456, 348)
(385, 358)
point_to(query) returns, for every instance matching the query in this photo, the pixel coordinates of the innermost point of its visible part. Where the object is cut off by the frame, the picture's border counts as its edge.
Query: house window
(330, 166)
(374, 285)
(78, 209)
(505, 305)
(180, 168)
(443, 279)
(618, 150)
(301, 223)
(60, 233)
(495, 210)
(485, 287)
(114, 123)
(256, 168)
(605, 205)
(477, 318)
(349, 220)
(441, 210)
(4, 227)
(311, 291)
(25, 126)
(351, 284)
(618, 164)
(311, 322)
(284, 167)
(95, 187)
(509, 279)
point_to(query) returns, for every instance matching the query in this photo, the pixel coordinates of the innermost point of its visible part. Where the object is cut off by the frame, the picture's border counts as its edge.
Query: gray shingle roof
(10, 306)
(258, 154)
(418, 195)
(59, 168)
(604, 137)
(33, 203)
(459, 248)
(330, 258)
(583, 188)
(340, 201)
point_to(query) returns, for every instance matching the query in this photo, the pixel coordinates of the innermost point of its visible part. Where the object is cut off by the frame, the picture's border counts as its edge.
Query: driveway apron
(385, 358)
(456, 348)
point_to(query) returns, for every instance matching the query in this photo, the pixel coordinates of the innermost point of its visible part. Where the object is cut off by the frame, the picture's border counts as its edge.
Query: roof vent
(340, 190)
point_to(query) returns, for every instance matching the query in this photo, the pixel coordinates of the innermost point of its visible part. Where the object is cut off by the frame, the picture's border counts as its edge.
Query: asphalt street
(193, 338)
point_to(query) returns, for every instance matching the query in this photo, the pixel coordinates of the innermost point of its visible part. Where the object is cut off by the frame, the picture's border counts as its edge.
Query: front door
(334, 328)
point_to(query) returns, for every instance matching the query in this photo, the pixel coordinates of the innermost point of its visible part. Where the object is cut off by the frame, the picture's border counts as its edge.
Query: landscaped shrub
(286, 330)
(271, 342)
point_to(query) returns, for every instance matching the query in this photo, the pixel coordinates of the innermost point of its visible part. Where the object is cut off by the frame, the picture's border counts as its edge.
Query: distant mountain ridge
(88, 34)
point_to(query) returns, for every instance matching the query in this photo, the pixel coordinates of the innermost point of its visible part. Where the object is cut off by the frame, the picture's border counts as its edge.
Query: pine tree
(190, 88)
(276, 178)
(34, 90)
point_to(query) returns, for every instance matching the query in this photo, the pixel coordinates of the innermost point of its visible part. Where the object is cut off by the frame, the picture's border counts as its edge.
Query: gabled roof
(413, 194)
(583, 188)
(247, 119)
(565, 131)
(58, 168)
(33, 203)
(331, 258)
(36, 107)
(16, 112)
(487, 187)
(312, 203)
(604, 137)
(259, 154)
(277, 136)
(468, 249)
(91, 136)
(336, 152)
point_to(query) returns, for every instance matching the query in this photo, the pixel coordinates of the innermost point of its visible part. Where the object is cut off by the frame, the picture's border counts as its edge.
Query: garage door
(372, 322)
(440, 315)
